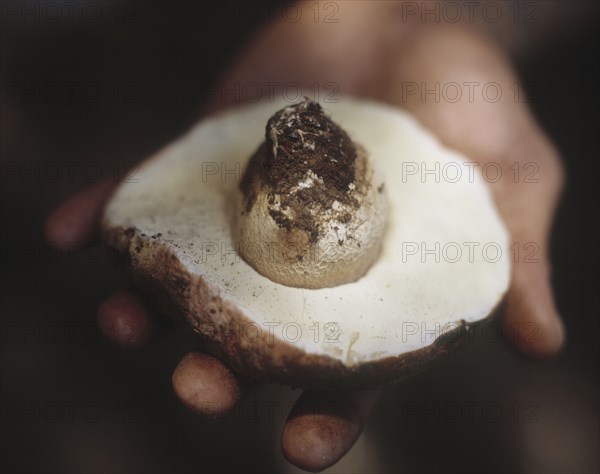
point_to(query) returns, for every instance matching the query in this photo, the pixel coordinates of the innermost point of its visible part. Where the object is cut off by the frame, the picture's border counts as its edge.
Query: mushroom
(346, 249)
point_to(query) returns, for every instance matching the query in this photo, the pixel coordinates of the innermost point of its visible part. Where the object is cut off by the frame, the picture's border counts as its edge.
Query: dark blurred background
(88, 93)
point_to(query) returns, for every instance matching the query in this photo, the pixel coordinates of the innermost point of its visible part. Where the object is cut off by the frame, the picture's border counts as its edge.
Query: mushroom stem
(309, 213)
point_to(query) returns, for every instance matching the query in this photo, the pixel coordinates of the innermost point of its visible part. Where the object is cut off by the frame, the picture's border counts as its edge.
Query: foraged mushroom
(347, 249)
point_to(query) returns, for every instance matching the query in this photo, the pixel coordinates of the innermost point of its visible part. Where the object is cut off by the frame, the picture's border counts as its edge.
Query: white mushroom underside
(406, 299)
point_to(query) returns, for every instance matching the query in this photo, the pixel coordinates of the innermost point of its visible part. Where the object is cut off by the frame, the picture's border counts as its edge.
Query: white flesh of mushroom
(444, 257)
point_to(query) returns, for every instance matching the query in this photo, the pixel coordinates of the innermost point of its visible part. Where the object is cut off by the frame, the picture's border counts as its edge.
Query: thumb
(532, 322)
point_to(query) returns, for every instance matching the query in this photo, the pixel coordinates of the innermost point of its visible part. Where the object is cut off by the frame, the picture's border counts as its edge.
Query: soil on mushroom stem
(303, 145)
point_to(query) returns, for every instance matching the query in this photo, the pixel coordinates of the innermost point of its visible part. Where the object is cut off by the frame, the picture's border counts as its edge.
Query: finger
(206, 385)
(74, 223)
(323, 426)
(123, 320)
(531, 320)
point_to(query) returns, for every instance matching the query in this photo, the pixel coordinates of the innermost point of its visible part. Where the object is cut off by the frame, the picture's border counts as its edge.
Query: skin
(371, 53)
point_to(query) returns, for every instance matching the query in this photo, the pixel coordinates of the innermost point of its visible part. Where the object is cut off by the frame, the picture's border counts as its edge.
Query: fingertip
(322, 428)
(124, 321)
(532, 322)
(315, 445)
(73, 223)
(535, 340)
(60, 229)
(205, 385)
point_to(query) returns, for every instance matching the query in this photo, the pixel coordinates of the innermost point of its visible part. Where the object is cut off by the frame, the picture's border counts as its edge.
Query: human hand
(370, 53)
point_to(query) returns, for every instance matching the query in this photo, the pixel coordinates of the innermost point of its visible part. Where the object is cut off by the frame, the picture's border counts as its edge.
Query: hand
(371, 53)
